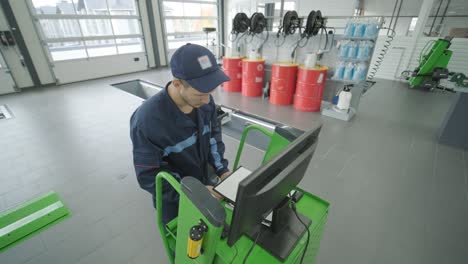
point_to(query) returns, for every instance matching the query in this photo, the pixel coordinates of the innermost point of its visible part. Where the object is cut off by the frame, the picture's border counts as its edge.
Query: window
(60, 28)
(125, 26)
(185, 19)
(67, 50)
(95, 27)
(129, 45)
(272, 11)
(412, 25)
(78, 29)
(97, 48)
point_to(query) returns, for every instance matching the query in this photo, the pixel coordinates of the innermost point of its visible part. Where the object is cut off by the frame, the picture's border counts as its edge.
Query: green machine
(204, 231)
(433, 61)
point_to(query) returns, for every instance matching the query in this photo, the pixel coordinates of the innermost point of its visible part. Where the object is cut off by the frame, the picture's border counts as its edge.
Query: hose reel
(240, 23)
(291, 22)
(315, 22)
(258, 23)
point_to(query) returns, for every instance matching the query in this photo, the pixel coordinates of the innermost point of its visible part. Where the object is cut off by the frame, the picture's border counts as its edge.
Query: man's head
(196, 74)
(190, 95)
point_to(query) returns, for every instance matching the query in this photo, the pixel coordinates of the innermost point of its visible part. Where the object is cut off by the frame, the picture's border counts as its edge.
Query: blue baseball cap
(196, 65)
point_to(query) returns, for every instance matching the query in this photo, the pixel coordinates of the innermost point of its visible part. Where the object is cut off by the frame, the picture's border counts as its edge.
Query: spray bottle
(344, 99)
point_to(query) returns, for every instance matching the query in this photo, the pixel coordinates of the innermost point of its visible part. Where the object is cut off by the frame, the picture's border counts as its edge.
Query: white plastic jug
(348, 71)
(253, 55)
(364, 50)
(359, 29)
(349, 29)
(310, 60)
(339, 71)
(352, 50)
(344, 99)
(372, 29)
(343, 49)
(360, 72)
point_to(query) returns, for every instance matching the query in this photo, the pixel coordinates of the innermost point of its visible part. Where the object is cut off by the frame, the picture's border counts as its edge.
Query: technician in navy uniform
(177, 131)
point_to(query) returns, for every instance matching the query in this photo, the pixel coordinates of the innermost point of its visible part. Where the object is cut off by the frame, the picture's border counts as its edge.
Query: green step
(30, 218)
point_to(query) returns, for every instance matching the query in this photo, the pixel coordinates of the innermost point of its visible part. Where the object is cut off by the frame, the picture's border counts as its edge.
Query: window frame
(82, 38)
(219, 24)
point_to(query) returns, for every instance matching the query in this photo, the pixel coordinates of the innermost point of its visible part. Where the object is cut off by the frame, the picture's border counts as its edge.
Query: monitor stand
(283, 234)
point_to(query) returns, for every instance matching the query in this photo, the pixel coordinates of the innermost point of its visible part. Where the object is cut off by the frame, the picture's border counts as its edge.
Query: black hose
(276, 41)
(263, 43)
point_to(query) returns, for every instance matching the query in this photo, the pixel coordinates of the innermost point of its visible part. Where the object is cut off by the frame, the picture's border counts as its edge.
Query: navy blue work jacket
(166, 139)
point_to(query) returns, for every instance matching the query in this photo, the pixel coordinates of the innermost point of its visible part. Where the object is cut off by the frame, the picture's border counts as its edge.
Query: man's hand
(215, 194)
(225, 175)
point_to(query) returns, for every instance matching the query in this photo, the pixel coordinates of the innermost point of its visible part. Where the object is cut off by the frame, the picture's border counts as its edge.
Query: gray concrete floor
(396, 195)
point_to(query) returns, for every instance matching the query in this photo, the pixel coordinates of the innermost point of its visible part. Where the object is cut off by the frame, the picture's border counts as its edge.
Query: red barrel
(309, 88)
(252, 77)
(283, 83)
(232, 67)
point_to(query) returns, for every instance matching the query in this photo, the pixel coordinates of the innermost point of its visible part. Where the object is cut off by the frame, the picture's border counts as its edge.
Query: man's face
(193, 97)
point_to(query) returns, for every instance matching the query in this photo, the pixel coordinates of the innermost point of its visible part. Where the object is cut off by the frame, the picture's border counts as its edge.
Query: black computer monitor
(266, 190)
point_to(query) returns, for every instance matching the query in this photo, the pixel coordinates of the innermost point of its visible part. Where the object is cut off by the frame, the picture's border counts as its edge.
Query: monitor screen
(266, 189)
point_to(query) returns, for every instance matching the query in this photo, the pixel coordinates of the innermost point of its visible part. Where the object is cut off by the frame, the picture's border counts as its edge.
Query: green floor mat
(29, 219)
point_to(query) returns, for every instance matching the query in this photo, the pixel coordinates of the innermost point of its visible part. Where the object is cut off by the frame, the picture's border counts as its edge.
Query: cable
(251, 38)
(264, 41)
(293, 206)
(276, 41)
(293, 53)
(238, 42)
(326, 37)
(235, 37)
(378, 61)
(253, 245)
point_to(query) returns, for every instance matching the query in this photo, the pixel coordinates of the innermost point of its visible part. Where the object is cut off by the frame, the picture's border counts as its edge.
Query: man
(177, 131)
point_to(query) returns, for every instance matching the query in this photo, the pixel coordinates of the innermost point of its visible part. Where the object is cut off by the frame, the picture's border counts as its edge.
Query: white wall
(447, 24)
(385, 7)
(328, 8)
(456, 8)
(79, 70)
(303, 7)
(391, 65)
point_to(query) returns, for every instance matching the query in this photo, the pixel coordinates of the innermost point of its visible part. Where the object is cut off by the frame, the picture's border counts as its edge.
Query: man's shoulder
(154, 107)
(152, 111)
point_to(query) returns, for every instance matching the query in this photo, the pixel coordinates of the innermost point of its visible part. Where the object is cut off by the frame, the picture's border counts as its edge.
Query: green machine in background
(432, 69)
(200, 233)
(433, 61)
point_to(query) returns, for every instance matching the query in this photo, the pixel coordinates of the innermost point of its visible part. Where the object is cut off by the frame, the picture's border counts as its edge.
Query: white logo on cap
(205, 62)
